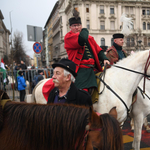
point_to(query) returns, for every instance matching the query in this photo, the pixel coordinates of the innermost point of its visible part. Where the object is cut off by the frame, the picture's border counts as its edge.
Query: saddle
(95, 93)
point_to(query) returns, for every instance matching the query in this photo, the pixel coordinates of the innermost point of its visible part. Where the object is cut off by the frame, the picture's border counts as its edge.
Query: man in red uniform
(83, 50)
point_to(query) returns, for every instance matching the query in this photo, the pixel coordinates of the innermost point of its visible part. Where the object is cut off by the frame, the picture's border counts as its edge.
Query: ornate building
(102, 18)
(4, 39)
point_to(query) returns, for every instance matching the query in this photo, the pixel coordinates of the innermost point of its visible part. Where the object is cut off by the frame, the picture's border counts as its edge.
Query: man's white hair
(67, 73)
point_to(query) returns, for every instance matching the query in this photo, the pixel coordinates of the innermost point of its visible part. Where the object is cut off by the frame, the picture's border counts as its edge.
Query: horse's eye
(95, 148)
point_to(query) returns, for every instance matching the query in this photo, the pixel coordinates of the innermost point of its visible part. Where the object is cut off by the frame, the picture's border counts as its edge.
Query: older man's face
(58, 77)
(119, 41)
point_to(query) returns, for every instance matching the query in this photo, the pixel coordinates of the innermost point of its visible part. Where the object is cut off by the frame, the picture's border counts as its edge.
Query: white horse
(37, 94)
(141, 109)
(124, 83)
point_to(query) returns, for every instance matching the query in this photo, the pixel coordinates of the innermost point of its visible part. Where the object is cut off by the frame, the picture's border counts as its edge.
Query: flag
(3, 70)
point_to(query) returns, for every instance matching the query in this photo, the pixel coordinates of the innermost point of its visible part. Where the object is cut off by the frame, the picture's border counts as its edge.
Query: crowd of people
(76, 74)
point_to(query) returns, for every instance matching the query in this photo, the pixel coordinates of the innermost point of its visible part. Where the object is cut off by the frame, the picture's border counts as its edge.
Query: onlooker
(65, 91)
(21, 85)
(22, 65)
(16, 68)
(83, 50)
(37, 78)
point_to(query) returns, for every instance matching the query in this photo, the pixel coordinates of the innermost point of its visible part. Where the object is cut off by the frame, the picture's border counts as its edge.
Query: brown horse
(57, 127)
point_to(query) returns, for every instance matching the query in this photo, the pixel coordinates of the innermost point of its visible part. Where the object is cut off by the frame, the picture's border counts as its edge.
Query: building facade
(4, 38)
(102, 19)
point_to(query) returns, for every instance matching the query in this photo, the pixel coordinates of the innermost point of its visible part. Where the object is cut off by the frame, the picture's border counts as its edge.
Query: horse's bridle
(86, 135)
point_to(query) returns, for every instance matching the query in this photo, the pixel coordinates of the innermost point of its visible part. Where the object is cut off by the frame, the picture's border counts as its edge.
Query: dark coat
(74, 96)
(23, 66)
(112, 55)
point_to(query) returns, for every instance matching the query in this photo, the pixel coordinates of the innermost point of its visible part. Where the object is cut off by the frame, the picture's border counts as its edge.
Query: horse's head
(104, 132)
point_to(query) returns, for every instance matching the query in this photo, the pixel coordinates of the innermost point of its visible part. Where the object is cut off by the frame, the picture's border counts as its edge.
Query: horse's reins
(144, 74)
(114, 93)
(86, 134)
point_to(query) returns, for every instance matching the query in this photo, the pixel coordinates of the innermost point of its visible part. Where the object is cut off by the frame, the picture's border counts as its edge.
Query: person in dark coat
(65, 90)
(115, 52)
(23, 65)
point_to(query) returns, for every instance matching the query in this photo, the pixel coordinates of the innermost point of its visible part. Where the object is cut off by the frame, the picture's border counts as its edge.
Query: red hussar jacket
(75, 51)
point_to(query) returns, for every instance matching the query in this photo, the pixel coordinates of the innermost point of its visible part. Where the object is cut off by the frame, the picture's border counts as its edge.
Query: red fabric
(86, 90)
(75, 51)
(90, 61)
(47, 87)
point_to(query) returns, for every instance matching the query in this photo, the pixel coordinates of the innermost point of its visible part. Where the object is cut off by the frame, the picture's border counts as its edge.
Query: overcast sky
(23, 13)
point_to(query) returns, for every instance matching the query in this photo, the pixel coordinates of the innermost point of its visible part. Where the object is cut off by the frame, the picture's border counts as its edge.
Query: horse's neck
(127, 81)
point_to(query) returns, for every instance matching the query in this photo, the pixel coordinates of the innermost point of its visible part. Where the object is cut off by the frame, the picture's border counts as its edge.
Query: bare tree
(18, 51)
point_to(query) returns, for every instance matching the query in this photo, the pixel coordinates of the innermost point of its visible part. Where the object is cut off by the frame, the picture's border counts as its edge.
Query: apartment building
(102, 18)
(4, 38)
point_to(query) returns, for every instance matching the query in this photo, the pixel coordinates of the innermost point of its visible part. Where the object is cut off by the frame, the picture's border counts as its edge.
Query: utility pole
(12, 57)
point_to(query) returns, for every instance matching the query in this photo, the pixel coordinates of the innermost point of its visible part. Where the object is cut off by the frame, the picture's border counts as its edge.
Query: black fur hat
(118, 35)
(66, 64)
(76, 19)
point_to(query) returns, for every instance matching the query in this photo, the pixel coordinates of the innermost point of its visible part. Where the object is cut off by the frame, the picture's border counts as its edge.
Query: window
(128, 42)
(131, 10)
(87, 8)
(76, 7)
(145, 41)
(127, 10)
(132, 42)
(144, 26)
(112, 25)
(148, 26)
(88, 24)
(102, 9)
(143, 12)
(102, 25)
(148, 12)
(148, 41)
(112, 41)
(111, 9)
(102, 42)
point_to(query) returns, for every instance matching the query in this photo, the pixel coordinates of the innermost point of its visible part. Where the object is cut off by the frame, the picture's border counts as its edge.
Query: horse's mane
(44, 126)
(111, 134)
(130, 60)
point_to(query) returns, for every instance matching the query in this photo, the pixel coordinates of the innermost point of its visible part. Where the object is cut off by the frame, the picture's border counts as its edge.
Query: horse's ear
(93, 116)
(113, 112)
